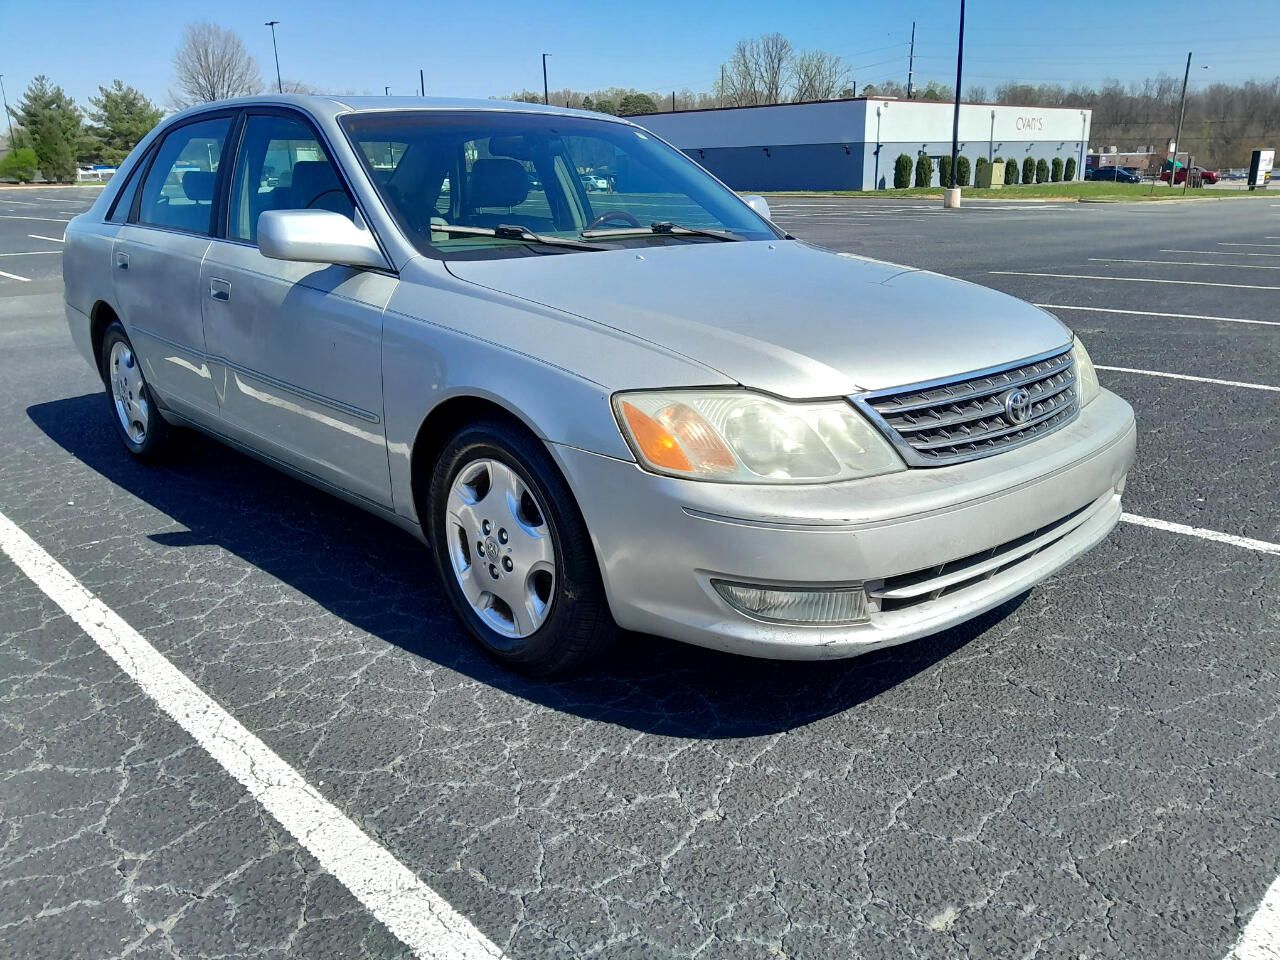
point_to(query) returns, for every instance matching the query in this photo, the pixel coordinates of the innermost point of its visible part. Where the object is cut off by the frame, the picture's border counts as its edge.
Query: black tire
(578, 628)
(159, 441)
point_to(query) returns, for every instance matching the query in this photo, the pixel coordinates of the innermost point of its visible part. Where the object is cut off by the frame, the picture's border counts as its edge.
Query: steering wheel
(609, 215)
(322, 194)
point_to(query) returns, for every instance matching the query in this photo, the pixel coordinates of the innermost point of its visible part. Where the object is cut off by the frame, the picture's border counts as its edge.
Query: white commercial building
(853, 144)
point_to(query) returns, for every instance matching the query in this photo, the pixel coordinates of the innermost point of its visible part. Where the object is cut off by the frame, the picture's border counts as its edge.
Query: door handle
(122, 261)
(219, 290)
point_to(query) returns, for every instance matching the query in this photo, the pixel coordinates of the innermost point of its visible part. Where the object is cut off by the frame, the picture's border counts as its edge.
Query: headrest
(498, 182)
(311, 180)
(197, 185)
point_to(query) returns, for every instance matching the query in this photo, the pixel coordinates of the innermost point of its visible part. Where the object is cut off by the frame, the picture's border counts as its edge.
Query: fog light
(813, 606)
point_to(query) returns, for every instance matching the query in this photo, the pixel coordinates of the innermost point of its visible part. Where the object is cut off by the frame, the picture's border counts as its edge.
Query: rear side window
(179, 189)
(282, 166)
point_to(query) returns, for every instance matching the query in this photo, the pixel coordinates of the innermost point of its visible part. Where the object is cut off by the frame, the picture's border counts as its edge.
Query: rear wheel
(513, 553)
(141, 428)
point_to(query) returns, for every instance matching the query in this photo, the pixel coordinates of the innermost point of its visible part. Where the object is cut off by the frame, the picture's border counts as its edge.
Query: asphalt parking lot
(1089, 771)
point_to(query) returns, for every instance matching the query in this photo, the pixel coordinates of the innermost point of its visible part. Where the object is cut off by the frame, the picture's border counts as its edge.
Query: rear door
(296, 348)
(156, 260)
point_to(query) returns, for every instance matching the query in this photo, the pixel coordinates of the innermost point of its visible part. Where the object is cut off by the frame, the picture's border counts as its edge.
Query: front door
(295, 349)
(156, 259)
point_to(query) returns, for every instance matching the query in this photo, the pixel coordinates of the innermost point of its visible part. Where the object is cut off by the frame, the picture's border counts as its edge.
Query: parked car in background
(1206, 176)
(1117, 174)
(594, 181)
(649, 409)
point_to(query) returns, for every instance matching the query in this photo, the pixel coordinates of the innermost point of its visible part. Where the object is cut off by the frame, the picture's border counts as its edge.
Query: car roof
(334, 105)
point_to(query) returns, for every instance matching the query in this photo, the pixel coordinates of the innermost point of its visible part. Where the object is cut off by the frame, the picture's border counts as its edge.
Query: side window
(179, 189)
(282, 166)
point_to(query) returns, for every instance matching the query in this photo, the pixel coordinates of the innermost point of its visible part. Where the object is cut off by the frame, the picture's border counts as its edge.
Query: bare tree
(758, 72)
(819, 76)
(212, 64)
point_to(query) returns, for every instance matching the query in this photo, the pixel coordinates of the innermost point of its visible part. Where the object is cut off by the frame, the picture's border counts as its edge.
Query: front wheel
(141, 428)
(513, 552)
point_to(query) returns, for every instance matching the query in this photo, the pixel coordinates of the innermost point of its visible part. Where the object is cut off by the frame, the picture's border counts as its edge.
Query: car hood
(784, 316)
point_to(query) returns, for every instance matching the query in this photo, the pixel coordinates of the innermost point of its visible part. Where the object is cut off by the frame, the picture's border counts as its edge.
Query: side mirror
(317, 236)
(759, 204)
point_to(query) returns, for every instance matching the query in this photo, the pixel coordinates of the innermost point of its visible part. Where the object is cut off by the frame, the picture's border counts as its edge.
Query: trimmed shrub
(944, 171)
(963, 170)
(1042, 171)
(1011, 173)
(20, 165)
(902, 171)
(1028, 171)
(924, 171)
(1070, 174)
(1055, 170)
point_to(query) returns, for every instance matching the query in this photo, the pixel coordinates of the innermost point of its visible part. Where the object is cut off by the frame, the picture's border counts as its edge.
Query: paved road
(1090, 771)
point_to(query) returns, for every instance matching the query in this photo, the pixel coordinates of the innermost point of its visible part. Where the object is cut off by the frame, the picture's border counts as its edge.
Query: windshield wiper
(506, 231)
(662, 227)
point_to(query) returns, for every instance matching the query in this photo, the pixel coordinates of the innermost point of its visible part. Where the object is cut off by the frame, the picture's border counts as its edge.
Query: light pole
(1177, 137)
(276, 52)
(546, 96)
(951, 197)
(7, 116)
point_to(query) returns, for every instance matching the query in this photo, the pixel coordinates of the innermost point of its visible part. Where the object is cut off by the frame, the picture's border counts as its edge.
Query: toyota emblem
(1017, 406)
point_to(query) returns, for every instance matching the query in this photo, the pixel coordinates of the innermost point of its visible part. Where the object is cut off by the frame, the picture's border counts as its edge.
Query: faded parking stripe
(418, 916)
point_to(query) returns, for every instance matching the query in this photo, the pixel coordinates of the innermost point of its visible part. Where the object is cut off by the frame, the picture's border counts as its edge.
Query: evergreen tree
(121, 117)
(53, 127)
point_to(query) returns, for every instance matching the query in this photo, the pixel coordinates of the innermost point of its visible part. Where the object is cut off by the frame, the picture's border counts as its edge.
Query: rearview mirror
(760, 205)
(317, 236)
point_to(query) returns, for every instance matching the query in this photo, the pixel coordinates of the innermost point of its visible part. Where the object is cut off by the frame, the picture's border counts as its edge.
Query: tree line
(53, 135)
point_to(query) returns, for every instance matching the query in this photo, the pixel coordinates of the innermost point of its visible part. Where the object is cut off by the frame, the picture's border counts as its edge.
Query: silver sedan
(646, 409)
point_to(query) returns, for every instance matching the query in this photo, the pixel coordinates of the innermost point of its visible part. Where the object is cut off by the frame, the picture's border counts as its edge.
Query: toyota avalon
(648, 409)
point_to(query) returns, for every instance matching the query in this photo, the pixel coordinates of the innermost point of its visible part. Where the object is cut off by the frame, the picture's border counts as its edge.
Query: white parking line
(1183, 376)
(1222, 253)
(411, 910)
(1158, 313)
(1247, 543)
(32, 253)
(1188, 263)
(36, 236)
(1223, 243)
(20, 203)
(14, 276)
(1094, 276)
(14, 216)
(1260, 939)
(58, 200)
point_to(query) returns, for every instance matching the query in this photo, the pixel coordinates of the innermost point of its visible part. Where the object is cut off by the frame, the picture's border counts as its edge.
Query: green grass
(1052, 191)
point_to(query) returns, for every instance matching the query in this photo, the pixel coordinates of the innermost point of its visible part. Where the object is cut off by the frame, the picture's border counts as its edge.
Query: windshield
(553, 175)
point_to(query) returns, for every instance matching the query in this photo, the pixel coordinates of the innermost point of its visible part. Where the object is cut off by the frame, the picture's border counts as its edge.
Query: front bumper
(661, 541)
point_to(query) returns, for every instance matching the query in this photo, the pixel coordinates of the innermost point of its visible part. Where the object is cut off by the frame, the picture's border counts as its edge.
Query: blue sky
(491, 48)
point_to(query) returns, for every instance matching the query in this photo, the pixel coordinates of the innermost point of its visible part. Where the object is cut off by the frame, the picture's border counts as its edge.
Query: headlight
(1086, 376)
(735, 436)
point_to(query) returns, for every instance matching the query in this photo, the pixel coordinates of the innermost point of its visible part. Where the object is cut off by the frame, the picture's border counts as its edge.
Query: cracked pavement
(1088, 772)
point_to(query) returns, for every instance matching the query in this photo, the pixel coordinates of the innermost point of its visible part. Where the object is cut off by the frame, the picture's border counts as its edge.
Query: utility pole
(276, 52)
(952, 197)
(722, 90)
(386, 91)
(673, 101)
(5, 100)
(422, 83)
(911, 62)
(1177, 137)
(546, 96)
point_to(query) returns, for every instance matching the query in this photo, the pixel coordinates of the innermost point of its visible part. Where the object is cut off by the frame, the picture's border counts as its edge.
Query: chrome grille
(963, 419)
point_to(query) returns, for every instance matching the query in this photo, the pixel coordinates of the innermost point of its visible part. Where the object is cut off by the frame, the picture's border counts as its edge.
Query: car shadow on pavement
(380, 579)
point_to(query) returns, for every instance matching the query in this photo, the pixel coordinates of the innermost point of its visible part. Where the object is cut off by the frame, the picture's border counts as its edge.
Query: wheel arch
(101, 316)
(440, 423)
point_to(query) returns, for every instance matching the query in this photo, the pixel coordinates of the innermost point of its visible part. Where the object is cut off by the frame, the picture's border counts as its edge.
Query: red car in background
(1208, 176)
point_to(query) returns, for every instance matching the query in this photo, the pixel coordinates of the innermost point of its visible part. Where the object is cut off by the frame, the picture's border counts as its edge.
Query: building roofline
(894, 100)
